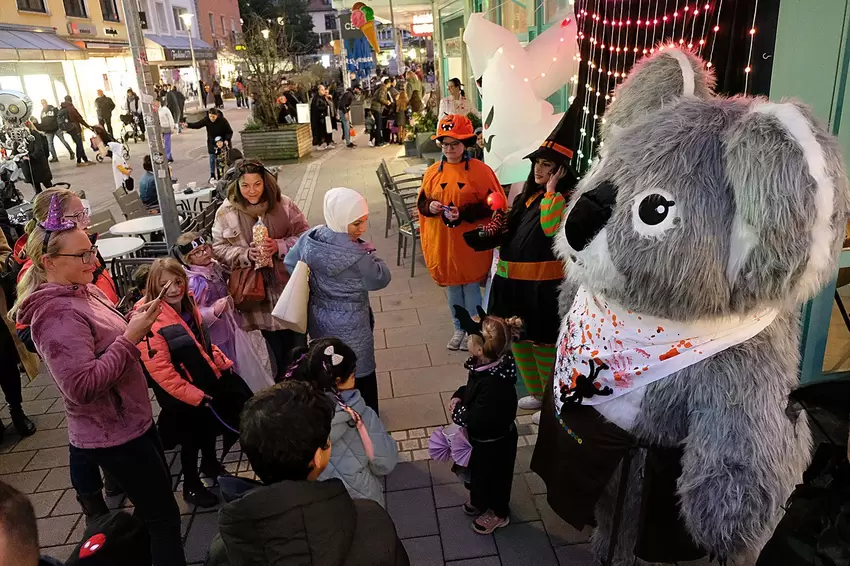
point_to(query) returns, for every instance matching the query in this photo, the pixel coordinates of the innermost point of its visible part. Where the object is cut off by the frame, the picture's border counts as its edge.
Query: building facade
(324, 20)
(221, 27)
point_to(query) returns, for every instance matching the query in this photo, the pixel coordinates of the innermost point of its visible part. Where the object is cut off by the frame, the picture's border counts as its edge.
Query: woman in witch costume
(199, 394)
(528, 273)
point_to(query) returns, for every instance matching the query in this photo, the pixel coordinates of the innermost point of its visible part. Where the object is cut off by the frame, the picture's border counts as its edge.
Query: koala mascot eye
(653, 213)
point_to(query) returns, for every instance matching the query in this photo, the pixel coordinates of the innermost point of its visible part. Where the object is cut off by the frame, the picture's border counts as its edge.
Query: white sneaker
(457, 339)
(371, 144)
(535, 418)
(529, 403)
(331, 145)
(464, 344)
(213, 181)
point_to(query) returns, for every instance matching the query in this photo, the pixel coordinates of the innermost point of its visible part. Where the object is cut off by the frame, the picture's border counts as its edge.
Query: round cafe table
(138, 226)
(417, 170)
(118, 247)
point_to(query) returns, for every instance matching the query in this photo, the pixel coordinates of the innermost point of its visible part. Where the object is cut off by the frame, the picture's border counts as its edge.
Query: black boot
(199, 495)
(23, 424)
(213, 470)
(93, 506)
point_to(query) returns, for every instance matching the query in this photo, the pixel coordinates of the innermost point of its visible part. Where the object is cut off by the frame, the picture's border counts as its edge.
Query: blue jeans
(212, 165)
(467, 296)
(346, 127)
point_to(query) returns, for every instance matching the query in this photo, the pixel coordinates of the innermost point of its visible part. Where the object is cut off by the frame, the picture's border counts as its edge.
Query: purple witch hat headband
(55, 221)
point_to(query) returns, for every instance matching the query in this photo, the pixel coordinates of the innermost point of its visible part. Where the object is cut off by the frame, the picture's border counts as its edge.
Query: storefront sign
(110, 31)
(423, 24)
(76, 28)
(349, 31)
(186, 54)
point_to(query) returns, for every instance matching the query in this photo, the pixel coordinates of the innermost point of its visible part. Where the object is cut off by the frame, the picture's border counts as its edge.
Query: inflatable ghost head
(693, 240)
(515, 82)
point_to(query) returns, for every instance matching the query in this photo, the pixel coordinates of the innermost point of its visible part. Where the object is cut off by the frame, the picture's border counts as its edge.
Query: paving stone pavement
(416, 377)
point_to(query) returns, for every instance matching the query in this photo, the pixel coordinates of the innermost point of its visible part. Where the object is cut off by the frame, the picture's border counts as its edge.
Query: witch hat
(56, 221)
(563, 142)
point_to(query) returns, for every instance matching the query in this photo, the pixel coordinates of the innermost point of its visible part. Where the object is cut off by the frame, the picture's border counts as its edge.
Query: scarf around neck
(606, 351)
(253, 210)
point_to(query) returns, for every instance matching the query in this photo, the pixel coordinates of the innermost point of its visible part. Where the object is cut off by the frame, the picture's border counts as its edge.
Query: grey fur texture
(761, 200)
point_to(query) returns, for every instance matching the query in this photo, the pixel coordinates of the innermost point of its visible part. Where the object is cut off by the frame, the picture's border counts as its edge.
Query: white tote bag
(328, 125)
(291, 307)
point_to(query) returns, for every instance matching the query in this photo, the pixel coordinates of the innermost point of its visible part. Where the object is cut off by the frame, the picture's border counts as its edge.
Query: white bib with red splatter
(606, 351)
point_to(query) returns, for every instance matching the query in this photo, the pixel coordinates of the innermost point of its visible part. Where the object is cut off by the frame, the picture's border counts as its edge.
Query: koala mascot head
(703, 215)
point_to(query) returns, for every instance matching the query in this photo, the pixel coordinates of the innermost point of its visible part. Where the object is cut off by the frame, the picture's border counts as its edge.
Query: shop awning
(35, 44)
(177, 48)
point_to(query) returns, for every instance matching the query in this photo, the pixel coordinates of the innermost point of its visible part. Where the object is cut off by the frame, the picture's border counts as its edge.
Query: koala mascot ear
(656, 81)
(789, 182)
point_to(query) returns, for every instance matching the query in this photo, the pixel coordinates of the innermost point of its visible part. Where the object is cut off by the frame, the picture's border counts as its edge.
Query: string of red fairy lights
(614, 41)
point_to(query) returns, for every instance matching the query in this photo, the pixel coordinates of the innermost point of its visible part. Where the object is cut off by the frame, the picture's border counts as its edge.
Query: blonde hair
(187, 238)
(171, 266)
(41, 204)
(36, 274)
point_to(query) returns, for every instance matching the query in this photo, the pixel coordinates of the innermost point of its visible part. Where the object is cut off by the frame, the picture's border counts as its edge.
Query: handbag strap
(361, 427)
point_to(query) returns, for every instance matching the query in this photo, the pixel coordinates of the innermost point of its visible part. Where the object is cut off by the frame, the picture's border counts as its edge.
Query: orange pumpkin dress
(464, 185)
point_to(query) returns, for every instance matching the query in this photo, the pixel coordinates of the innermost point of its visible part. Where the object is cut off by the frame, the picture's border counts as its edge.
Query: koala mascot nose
(590, 215)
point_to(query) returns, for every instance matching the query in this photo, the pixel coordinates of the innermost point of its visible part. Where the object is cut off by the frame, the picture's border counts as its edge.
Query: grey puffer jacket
(342, 272)
(348, 457)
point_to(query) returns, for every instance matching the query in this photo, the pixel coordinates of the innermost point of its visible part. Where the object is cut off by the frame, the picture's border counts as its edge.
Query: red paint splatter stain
(671, 353)
(660, 329)
(643, 352)
(688, 345)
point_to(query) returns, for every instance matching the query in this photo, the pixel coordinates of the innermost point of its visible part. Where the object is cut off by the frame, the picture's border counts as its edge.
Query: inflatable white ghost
(514, 84)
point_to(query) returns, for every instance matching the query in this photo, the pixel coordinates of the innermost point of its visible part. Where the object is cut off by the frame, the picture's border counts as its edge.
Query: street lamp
(187, 21)
(265, 33)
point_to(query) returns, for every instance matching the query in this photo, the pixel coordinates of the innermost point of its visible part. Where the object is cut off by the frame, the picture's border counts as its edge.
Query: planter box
(291, 141)
(410, 149)
(424, 144)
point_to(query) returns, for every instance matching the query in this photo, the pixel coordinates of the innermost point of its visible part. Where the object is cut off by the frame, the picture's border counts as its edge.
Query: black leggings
(368, 387)
(280, 344)
(189, 458)
(10, 375)
(492, 472)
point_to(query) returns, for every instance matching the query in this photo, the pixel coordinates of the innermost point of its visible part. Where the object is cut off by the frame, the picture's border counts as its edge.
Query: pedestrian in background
(166, 122)
(217, 127)
(50, 126)
(176, 101)
(216, 92)
(344, 110)
(104, 106)
(133, 106)
(320, 119)
(35, 165)
(71, 121)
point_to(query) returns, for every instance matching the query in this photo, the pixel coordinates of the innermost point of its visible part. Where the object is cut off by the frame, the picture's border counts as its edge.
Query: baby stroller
(131, 128)
(100, 144)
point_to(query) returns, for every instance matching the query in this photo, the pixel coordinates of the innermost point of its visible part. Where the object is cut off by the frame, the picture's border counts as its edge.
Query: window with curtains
(32, 6)
(75, 8)
(110, 10)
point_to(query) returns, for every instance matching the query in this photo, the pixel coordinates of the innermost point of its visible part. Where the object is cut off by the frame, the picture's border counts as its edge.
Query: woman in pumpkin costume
(453, 200)
(527, 273)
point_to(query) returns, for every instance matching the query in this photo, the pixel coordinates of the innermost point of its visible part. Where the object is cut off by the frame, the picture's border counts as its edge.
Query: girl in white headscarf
(343, 269)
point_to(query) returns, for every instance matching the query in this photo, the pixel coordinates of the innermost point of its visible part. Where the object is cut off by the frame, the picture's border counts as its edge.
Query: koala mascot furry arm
(755, 200)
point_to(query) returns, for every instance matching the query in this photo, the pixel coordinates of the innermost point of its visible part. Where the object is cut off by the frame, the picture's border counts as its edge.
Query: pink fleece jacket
(79, 335)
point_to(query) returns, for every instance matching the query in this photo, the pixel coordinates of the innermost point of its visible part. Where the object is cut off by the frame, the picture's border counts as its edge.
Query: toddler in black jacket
(486, 406)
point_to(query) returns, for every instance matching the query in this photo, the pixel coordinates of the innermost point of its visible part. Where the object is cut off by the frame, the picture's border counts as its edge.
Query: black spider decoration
(585, 388)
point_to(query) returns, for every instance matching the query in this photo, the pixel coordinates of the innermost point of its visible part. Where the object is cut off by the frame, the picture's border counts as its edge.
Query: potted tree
(268, 55)
(418, 141)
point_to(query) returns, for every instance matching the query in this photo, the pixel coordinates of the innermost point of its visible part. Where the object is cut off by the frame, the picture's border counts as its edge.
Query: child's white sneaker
(529, 403)
(489, 522)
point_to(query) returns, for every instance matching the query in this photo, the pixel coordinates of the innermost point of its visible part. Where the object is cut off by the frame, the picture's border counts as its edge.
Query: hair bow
(336, 359)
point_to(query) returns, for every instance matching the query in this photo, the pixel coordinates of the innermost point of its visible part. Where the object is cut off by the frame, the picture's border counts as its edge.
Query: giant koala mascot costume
(689, 248)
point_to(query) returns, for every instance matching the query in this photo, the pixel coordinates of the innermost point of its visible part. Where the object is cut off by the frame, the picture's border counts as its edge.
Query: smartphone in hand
(164, 290)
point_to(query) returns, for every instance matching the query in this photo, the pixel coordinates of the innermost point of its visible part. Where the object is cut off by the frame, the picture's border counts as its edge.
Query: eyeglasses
(80, 218)
(449, 145)
(86, 257)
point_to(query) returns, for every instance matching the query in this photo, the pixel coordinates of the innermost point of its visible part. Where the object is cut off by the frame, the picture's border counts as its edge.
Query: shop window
(38, 87)
(212, 24)
(330, 22)
(32, 6)
(75, 8)
(11, 82)
(110, 10)
(517, 16)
